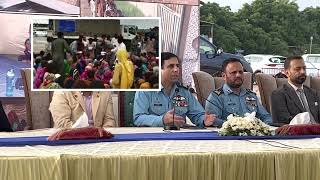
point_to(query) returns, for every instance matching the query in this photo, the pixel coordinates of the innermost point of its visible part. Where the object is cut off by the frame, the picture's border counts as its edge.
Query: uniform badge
(181, 105)
(180, 101)
(250, 91)
(249, 98)
(251, 101)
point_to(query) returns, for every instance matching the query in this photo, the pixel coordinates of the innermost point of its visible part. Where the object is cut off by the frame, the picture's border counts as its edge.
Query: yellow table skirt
(290, 165)
(162, 160)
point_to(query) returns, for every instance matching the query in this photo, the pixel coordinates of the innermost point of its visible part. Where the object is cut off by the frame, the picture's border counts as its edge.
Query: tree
(264, 26)
(129, 9)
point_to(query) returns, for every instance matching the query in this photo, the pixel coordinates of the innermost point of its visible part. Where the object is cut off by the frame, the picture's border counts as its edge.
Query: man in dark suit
(4, 122)
(294, 98)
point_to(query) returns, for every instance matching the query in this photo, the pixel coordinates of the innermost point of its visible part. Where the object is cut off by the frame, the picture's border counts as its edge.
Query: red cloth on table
(301, 129)
(80, 133)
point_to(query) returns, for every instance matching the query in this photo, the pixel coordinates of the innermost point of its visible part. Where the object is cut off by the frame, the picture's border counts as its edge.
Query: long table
(294, 159)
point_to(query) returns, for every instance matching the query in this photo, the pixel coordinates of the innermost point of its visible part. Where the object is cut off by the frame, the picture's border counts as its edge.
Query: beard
(237, 83)
(299, 79)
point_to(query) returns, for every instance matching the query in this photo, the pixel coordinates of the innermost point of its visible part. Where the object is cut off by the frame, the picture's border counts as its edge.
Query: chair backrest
(315, 83)
(115, 101)
(247, 81)
(37, 104)
(267, 84)
(125, 108)
(205, 84)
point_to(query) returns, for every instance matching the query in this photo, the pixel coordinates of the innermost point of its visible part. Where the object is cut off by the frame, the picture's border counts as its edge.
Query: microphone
(173, 126)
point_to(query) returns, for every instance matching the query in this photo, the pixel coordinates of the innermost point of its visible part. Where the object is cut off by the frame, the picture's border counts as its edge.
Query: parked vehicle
(269, 64)
(311, 69)
(312, 58)
(211, 59)
(274, 64)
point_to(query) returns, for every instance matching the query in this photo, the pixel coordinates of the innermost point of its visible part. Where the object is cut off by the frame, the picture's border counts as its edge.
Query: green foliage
(129, 10)
(264, 26)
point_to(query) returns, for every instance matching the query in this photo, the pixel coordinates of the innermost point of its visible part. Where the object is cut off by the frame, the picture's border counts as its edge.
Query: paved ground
(7, 63)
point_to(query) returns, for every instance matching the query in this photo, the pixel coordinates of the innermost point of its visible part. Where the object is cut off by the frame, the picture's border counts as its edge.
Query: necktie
(304, 102)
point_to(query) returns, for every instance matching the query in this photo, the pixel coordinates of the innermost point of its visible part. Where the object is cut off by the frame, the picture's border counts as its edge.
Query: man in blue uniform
(172, 103)
(232, 98)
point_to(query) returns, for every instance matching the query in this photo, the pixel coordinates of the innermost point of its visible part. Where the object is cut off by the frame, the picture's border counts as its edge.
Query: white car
(311, 69)
(269, 64)
(313, 59)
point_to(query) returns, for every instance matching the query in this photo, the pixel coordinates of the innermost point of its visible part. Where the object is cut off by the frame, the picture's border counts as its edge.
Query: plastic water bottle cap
(10, 72)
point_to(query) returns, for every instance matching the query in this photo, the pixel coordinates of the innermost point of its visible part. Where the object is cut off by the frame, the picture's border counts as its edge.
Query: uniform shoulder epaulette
(250, 91)
(182, 86)
(218, 91)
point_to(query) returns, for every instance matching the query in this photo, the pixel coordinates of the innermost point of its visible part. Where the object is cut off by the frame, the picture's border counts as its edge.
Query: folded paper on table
(83, 121)
(301, 118)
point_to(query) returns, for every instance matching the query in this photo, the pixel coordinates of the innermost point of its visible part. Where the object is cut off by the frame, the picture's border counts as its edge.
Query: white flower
(253, 132)
(243, 134)
(241, 125)
(230, 116)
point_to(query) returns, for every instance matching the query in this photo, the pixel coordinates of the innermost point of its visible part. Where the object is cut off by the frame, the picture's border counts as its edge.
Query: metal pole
(311, 38)
(212, 33)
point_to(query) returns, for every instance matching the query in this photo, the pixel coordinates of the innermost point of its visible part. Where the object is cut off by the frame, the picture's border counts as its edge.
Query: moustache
(302, 76)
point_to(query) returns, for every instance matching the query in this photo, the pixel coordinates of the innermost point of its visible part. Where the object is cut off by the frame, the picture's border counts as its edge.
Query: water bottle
(10, 83)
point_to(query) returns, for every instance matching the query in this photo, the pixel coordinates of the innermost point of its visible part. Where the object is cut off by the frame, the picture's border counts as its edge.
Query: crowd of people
(90, 63)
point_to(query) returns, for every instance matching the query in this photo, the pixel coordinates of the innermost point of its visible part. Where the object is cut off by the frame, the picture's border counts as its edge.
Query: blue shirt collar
(227, 90)
(161, 88)
(172, 90)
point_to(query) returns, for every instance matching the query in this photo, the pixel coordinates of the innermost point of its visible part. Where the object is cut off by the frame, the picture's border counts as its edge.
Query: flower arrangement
(244, 126)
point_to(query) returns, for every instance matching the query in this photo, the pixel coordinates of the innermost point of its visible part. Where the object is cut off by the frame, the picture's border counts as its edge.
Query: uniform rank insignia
(218, 91)
(249, 98)
(250, 91)
(180, 101)
(251, 101)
